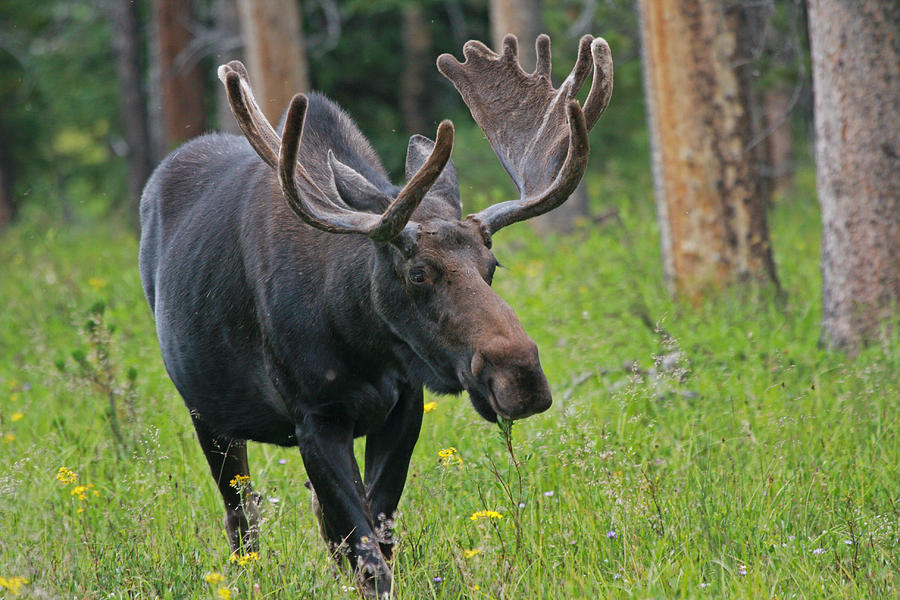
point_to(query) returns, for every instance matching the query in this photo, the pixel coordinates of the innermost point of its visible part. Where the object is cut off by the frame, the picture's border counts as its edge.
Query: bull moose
(304, 300)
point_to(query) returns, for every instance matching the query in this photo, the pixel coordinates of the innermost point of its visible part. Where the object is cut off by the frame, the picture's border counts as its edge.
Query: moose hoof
(375, 582)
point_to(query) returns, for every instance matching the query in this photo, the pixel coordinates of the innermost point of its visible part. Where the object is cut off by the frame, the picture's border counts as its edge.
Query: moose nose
(511, 370)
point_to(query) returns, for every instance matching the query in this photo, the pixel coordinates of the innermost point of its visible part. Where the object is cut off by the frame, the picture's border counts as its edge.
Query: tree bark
(181, 83)
(711, 201)
(276, 53)
(855, 51)
(132, 102)
(778, 166)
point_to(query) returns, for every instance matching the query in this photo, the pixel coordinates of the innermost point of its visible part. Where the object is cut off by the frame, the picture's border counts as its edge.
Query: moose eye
(417, 275)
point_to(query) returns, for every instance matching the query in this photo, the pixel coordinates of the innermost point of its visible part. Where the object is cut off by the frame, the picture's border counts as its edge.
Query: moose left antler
(525, 119)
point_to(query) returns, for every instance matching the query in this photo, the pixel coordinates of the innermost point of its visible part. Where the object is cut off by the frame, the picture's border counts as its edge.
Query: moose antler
(525, 119)
(306, 198)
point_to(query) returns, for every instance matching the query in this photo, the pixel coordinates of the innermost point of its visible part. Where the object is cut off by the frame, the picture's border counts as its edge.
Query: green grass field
(711, 451)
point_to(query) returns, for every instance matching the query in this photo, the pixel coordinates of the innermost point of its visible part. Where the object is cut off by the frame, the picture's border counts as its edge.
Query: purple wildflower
(611, 535)
(818, 551)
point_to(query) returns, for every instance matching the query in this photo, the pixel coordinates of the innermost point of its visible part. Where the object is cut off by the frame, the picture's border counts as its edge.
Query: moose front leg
(227, 460)
(388, 451)
(326, 447)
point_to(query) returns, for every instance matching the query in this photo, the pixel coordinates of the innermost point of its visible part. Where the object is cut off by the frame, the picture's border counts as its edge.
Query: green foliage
(691, 451)
(58, 90)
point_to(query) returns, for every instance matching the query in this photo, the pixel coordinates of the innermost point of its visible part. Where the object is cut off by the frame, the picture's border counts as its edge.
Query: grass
(710, 451)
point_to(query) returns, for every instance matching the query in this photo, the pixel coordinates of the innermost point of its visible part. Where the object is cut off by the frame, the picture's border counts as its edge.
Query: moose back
(302, 299)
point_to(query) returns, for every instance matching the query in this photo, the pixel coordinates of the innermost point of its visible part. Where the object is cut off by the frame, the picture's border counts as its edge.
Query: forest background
(705, 441)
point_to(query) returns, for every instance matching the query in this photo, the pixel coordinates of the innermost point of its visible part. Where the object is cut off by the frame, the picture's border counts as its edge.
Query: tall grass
(710, 451)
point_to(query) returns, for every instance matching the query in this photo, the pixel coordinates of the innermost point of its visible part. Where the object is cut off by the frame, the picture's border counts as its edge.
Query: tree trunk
(229, 46)
(522, 18)
(181, 81)
(132, 102)
(417, 62)
(855, 50)
(711, 201)
(276, 53)
(778, 167)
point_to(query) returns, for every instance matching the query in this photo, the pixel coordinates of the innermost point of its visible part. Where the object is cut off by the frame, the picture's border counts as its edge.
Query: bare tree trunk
(182, 85)
(276, 53)
(229, 46)
(132, 102)
(855, 49)
(522, 18)
(417, 62)
(710, 200)
(778, 167)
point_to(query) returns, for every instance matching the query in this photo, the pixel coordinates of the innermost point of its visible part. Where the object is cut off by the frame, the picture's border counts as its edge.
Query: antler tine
(582, 66)
(602, 83)
(253, 123)
(500, 215)
(542, 56)
(310, 204)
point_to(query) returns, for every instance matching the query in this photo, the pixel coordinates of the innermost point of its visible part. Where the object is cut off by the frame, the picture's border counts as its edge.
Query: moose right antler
(525, 119)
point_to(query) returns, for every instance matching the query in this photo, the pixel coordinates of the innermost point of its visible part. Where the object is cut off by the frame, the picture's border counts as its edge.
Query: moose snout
(511, 372)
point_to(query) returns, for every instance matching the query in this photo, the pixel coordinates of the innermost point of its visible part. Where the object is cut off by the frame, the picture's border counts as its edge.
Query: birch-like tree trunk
(855, 48)
(710, 198)
(275, 51)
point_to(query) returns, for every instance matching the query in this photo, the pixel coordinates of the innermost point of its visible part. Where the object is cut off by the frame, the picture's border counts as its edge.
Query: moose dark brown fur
(304, 300)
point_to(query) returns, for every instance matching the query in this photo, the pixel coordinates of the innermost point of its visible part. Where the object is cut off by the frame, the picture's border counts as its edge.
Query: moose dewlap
(302, 299)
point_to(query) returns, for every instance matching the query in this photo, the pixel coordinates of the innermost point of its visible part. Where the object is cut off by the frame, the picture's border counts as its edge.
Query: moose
(302, 299)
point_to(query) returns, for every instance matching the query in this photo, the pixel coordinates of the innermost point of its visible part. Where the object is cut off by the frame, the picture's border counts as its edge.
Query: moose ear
(446, 185)
(356, 191)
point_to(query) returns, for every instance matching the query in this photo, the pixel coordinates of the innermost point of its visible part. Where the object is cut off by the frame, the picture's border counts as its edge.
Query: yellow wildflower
(213, 578)
(66, 477)
(430, 406)
(449, 456)
(13, 584)
(239, 481)
(486, 514)
(9, 438)
(98, 283)
(244, 559)
(17, 416)
(224, 593)
(80, 491)
(471, 553)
